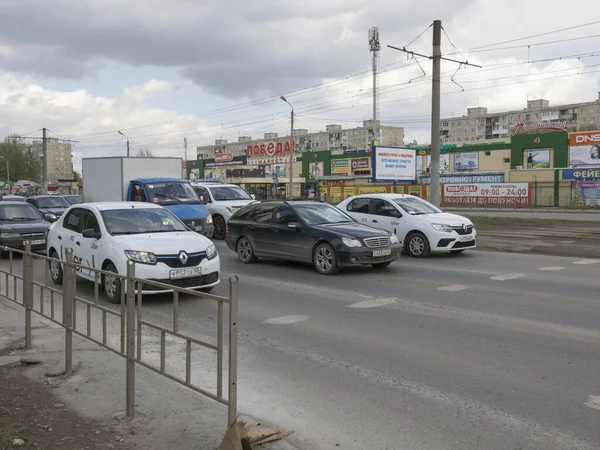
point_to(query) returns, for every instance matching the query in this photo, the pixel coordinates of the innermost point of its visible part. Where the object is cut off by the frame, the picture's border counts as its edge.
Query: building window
(506, 160)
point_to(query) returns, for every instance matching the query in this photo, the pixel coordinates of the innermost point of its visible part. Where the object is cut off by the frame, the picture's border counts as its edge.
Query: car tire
(382, 265)
(56, 270)
(417, 245)
(220, 228)
(245, 251)
(112, 285)
(457, 251)
(325, 260)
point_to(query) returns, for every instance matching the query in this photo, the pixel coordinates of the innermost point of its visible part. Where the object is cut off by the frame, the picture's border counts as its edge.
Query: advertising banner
(370, 190)
(339, 167)
(502, 194)
(590, 173)
(315, 169)
(349, 192)
(466, 179)
(360, 165)
(466, 161)
(585, 193)
(394, 164)
(335, 194)
(415, 190)
(225, 159)
(584, 155)
(536, 159)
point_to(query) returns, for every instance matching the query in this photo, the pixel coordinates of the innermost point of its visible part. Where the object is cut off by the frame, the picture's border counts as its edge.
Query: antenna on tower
(374, 47)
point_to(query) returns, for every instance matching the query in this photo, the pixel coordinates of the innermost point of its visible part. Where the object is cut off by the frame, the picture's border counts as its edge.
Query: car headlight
(141, 257)
(9, 235)
(394, 239)
(211, 251)
(442, 227)
(209, 218)
(351, 242)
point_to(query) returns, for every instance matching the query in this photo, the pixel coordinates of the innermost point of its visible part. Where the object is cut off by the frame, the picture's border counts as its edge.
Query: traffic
(131, 211)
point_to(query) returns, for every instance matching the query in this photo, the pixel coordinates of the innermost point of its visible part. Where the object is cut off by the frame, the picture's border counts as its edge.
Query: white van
(421, 226)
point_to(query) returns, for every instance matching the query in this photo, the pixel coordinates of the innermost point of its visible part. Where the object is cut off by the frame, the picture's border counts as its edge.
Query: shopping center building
(557, 168)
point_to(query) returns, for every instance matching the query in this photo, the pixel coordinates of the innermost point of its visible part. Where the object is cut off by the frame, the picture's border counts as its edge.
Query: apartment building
(479, 124)
(333, 138)
(60, 159)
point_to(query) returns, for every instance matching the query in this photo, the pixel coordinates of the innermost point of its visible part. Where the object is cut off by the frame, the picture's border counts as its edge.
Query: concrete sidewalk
(167, 415)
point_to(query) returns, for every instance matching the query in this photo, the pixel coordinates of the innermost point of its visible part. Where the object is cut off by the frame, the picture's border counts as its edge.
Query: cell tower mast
(374, 47)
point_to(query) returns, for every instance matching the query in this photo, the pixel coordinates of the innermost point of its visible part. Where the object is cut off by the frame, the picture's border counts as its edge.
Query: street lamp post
(7, 169)
(293, 147)
(127, 142)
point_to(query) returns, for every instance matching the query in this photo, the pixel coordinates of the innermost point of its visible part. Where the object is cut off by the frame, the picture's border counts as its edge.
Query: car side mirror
(90, 233)
(253, 196)
(50, 217)
(191, 227)
(295, 225)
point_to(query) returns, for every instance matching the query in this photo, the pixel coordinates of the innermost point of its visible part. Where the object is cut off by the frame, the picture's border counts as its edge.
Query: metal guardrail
(131, 319)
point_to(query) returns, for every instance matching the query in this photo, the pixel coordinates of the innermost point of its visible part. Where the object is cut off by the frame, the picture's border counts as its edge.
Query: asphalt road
(479, 350)
(592, 215)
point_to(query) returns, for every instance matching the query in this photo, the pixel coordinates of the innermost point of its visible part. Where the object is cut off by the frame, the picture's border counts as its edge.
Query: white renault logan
(107, 235)
(421, 226)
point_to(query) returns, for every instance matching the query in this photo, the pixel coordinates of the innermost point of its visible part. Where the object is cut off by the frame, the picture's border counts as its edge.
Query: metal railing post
(130, 338)
(233, 342)
(69, 283)
(28, 291)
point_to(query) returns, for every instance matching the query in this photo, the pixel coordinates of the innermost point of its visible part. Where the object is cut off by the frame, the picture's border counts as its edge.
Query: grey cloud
(232, 48)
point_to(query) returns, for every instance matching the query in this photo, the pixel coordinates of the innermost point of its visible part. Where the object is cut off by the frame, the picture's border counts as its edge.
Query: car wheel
(457, 251)
(56, 271)
(417, 246)
(220, 228)
(112, 284)
(382, 265)
(245, 251)
(325, 260)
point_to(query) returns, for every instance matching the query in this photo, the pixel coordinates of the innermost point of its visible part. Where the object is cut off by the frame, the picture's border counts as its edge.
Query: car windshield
(416, 206)
(223, 193)
(171, 193)
(52, 202)
(141, 221)
(320, 213)
(19, 212)
(74, 199)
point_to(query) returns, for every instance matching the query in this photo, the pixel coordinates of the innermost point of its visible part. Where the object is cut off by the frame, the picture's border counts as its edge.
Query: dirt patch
(543, 236)
(29, 412)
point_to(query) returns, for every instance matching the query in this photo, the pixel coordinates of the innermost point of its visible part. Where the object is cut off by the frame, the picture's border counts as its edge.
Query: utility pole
(127, 142)
(185, 148)
(291, 166)
(435, 105)
(44, 162)
(374, 47)
(435, 113)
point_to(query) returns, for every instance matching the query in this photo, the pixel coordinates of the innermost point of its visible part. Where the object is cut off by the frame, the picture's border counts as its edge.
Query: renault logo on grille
(465, 227)
(183, 257)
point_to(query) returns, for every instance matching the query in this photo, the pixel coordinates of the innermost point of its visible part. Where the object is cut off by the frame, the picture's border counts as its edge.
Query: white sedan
(421, 226)
(108, 235)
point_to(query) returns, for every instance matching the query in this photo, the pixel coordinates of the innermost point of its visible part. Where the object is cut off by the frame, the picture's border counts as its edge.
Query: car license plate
(35, 242)
(466, 238)
(185, 273)
(386, 252)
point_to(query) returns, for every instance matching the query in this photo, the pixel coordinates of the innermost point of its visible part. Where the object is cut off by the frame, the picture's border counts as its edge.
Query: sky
(203, 70)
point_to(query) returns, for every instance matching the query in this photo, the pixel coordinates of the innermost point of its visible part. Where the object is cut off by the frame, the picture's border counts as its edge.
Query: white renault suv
(222, 200)
(108, 235)
(421, 226)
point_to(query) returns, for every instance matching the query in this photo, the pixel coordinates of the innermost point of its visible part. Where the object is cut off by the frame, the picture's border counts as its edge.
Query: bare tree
(144, 153)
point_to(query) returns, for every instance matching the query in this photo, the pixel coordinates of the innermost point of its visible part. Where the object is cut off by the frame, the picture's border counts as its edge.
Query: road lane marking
(374, 303)
(551, 268)
(593, 401)
(286, 320)
(587, 261)
(508, 276)
(454, 287)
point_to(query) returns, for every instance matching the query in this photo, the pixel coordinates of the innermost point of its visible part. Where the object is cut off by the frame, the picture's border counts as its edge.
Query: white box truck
(155, 180)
